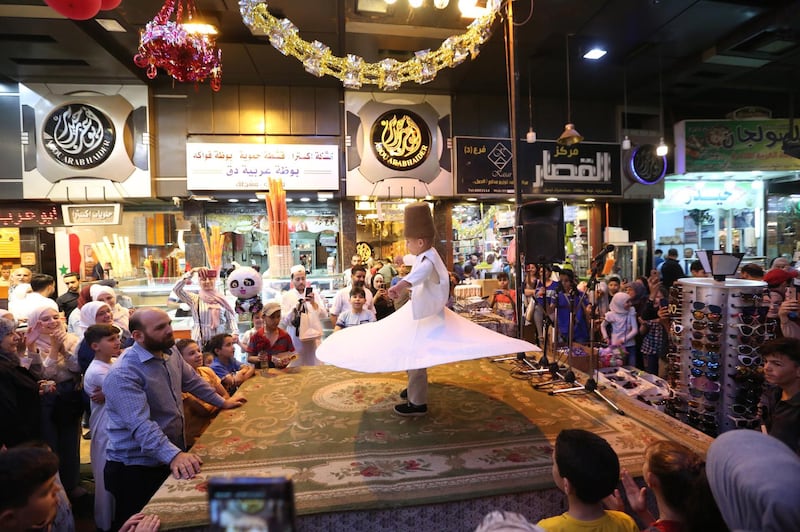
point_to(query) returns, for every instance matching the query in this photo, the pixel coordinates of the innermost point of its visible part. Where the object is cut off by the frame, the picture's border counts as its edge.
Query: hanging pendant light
(662, 148)
(626, 142)
(530, 137)
(570, 135)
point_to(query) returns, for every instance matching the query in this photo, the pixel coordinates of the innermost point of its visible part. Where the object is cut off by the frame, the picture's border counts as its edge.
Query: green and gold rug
(334, 433)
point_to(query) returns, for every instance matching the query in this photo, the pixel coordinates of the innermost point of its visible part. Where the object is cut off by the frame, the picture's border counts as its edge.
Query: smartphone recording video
(309, 292)
(251, 504)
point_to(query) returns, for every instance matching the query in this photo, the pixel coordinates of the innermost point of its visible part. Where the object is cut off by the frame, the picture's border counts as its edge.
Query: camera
(251, 503)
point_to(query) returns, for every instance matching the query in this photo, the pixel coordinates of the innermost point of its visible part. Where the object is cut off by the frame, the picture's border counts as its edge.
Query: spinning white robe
(421, 334)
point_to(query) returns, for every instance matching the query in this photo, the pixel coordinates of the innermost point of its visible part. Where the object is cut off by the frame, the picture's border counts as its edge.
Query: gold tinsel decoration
(388, 74)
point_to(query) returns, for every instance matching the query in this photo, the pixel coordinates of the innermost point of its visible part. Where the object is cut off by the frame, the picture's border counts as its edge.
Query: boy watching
(28, 488)
(104, 341)
(356, 314)
(780, 403)
(586, 469)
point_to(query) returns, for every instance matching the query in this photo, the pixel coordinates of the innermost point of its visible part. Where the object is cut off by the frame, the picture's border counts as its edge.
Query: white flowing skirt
(399, 342)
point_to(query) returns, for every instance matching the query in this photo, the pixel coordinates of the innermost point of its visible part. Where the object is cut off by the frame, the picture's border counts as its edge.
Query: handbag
(310, 326)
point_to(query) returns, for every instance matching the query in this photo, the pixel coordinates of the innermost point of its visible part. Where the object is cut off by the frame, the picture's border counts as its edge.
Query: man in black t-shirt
(68, 301)
(671, 270)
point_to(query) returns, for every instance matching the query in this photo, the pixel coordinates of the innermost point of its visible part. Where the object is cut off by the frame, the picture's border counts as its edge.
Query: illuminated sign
(30, 214)
(400, 139)
(84, 214)
(79, 136)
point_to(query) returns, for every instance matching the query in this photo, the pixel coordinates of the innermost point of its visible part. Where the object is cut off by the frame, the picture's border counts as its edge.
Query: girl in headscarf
(211, 312)
(61, 408)
(621, 319)
(107, 295)
(94, 313)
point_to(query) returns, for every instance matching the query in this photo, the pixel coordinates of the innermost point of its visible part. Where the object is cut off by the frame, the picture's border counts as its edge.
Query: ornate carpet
(333, 431)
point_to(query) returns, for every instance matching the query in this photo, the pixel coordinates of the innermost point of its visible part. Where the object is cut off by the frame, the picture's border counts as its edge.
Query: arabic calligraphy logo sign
(79, 136)
(645, 166)
(400, 139)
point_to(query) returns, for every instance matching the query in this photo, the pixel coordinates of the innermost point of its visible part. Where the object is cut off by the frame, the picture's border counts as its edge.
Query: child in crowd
(676, 476)
(621, 319)
(586, 469)
(504, 301)
(28, 489)
(231, 372)
(780, 403)
(197, 413)
(270, 341)
(104, 342)
(356, 314)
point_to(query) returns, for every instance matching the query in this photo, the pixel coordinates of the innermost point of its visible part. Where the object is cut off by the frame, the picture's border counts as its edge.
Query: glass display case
(630, 259)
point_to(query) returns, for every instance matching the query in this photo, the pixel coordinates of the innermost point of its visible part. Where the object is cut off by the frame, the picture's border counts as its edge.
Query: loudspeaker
(542, 232)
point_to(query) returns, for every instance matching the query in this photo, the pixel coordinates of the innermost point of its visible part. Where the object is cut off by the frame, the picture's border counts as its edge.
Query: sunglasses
(713, 338)
(748, 297)
(699, 363)
(708, 417)
(744, 410)
(677, 328)
(746, 349)
(707, 346)
(748, 360)
(706, 355)
(709, 396)
(745, 423)
(705, 406)
(710, 375)
(747, 329)
(699, 310)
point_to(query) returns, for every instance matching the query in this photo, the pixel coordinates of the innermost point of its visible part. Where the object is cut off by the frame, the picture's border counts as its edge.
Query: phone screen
(252, 504)
(791, 292)
(309, 291)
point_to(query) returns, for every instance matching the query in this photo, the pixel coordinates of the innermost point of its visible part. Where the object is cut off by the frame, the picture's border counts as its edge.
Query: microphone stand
(556, 374)
(543, 365)
(590, 386)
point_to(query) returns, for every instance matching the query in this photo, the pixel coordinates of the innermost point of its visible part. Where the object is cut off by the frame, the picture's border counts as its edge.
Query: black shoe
(404, 394)
(88, 435)
(410, 409)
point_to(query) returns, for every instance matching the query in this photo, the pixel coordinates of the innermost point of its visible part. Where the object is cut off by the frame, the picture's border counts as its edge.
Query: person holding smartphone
(788, 313)
(301, 297)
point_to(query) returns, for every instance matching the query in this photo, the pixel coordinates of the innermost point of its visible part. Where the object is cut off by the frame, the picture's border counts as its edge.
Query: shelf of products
(720, 381)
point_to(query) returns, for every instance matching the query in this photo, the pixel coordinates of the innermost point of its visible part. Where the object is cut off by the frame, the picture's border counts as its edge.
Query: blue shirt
(145, 406)
(223, 370)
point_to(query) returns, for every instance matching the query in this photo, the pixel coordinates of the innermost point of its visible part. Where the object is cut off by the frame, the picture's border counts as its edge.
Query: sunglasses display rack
(720, 329)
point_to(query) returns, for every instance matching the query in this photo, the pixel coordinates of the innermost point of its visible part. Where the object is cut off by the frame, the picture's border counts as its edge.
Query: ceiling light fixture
(595, 53)
(530, 136)
(570, 135)
(662, 148)
(110, 25)
(626, 142)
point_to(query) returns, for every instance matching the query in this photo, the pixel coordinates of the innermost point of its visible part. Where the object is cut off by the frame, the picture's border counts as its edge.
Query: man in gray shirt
(144, 404)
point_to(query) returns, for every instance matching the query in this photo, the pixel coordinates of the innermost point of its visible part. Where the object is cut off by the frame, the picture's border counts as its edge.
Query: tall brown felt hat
(418, 221)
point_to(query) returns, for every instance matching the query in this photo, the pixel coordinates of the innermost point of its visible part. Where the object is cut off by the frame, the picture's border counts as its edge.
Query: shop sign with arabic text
(588, 168)
(734, 145)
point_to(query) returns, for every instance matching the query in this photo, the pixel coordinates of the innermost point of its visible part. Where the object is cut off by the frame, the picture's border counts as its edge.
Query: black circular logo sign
(645, 165)
(79, 136)
(400, 139)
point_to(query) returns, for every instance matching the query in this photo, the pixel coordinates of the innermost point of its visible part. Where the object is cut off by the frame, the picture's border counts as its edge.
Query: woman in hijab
(211, 312)
(20, 408)
(94, 313)
(621, 319)
(62, 407)
(383, 305)
(107, 295)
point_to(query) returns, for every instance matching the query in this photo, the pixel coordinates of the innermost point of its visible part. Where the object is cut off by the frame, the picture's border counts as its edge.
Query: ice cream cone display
(116, 253)
(280, 251)
(213, 245)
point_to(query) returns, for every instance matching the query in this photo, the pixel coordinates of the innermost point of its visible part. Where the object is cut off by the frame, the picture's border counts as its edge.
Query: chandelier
(186, 51)
(388, 74)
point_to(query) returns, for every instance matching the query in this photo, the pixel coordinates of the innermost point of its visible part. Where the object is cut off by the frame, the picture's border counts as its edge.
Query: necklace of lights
(388, 74)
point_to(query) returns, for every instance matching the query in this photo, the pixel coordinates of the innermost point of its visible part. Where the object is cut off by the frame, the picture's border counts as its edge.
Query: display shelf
(710, 361)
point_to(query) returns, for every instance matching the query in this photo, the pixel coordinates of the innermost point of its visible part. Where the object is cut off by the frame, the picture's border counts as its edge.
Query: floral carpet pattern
(334, 433)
